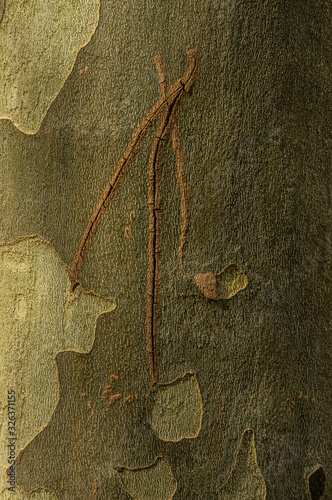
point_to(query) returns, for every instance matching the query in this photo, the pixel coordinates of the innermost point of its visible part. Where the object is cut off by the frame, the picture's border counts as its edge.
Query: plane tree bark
(252, 340)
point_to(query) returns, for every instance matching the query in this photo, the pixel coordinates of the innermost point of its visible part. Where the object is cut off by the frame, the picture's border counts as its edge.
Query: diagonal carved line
(177, 93)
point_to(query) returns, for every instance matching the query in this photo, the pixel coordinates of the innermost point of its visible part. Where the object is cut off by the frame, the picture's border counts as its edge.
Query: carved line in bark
(173, 99)
(166, 110)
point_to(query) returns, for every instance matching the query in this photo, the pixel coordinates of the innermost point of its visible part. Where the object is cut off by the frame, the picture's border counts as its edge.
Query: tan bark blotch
(155, 481)
(107, 392)
(223, 285)
(108, 389)
(113, 378)
(207, 285)
(246, 480)
(115, 398)
(90, 407)
(129, 399)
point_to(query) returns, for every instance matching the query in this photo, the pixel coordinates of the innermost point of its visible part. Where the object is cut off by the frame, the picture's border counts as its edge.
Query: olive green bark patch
(223, 285)
(39, 43)
(155, 481)
(245, 481)
(38, 318)
(175, 409)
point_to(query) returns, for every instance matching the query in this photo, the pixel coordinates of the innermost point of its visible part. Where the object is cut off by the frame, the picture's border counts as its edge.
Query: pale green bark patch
(223, 285)
(175, 409)
(245, 481)
(155, 481)
(39, 43)
(39, 318)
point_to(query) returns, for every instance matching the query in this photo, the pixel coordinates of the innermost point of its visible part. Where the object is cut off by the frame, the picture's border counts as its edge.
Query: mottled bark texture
(256, 133)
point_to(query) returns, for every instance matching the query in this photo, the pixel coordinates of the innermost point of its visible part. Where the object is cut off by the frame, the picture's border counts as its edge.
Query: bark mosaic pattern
(39, 318)
(39, 43)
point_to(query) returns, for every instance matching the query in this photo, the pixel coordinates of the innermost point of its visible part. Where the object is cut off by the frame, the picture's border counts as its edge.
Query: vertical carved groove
(166, 110)
(168, 122)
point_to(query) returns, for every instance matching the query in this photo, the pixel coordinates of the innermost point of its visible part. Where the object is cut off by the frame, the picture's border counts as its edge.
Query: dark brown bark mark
(317, 483)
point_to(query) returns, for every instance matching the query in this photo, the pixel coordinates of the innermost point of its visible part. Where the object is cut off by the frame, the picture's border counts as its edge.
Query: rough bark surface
(256, 133)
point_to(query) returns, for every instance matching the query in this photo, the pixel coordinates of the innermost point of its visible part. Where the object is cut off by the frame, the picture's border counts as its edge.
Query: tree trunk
(241, 406)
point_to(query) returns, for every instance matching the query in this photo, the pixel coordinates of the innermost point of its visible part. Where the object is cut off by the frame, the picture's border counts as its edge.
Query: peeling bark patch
(155, 481)
(39, 43)
(245, 481)
(316, 483)
(39, 318)
(223, 285)
(175, 410)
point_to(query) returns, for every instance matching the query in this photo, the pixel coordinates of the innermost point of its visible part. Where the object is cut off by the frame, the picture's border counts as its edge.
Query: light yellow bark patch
(245, 481)
(39, 43)
(175, 409)
(38, 318)
(155, 481)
